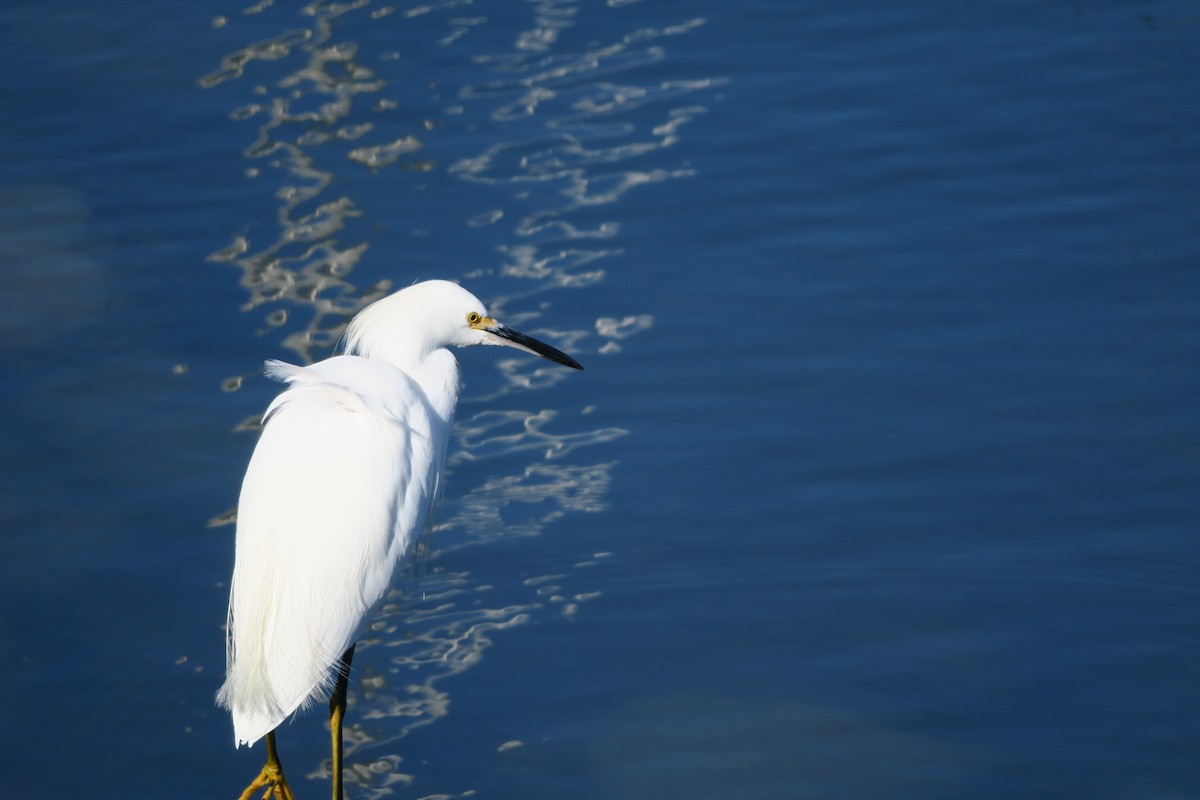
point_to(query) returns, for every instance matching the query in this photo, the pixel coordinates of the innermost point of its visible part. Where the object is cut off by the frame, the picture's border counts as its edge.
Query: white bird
(338, 487)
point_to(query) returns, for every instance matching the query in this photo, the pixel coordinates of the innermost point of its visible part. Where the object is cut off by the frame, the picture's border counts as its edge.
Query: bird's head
(436, 314)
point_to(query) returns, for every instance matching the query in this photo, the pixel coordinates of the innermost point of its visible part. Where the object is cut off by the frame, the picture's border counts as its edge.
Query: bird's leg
(271, 777)
(337, 711)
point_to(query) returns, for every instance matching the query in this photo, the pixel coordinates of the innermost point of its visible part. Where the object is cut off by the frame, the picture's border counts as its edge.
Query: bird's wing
(337, 488)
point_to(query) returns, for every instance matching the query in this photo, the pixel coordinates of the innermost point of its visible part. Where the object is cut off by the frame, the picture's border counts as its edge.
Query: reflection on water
(304, 265)
(564, 125)
(577, 139)
(504, 432)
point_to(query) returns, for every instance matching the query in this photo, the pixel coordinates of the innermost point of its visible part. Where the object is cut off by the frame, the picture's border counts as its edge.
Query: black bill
(518, 339)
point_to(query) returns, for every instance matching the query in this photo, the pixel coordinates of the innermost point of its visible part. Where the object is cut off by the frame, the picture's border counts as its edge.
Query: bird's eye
(473, 318)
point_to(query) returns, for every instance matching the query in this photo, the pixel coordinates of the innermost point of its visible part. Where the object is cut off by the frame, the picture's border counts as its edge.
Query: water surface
(882, 475)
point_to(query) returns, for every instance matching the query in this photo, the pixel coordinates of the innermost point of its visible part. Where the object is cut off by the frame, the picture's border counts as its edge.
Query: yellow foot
(271, 779)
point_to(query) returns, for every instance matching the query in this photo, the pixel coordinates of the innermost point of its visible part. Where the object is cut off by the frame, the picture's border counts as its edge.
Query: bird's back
(337, 489)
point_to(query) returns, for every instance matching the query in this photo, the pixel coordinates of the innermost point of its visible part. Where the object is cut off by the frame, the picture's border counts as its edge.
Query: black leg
(337, 711)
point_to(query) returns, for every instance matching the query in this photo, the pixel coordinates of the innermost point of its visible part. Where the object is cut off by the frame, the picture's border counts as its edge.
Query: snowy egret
(336, 491)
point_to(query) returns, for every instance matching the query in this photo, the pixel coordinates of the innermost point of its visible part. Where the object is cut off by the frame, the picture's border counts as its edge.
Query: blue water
(882, 477)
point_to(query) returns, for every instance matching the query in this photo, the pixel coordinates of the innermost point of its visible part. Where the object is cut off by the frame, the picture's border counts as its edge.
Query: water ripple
(493, 433)
(234, 65)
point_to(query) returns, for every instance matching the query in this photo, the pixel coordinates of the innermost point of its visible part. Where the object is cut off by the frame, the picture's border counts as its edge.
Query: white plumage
(337, 489)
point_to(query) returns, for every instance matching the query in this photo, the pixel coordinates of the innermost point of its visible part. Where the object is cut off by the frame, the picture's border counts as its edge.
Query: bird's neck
(437, 375)
(373, 334)
(435, 371)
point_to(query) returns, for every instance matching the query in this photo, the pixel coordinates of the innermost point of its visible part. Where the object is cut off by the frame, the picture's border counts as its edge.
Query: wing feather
(336, 491)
